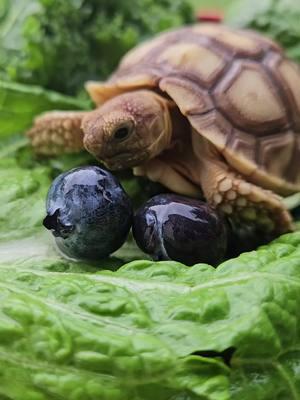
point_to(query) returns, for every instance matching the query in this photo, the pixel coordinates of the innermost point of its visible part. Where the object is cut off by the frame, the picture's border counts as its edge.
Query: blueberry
(173, 227)
(88, 212)
(245, 237)
(296, 213)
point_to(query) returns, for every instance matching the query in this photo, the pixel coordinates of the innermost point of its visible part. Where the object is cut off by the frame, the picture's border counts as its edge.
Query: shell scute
(249, 99)
(137, 54)
(287, 77)
(240, 150)
(213, 126)
(187, 95)
(276, 152)
(197, 60)
(236, 42)
(290, 74)
(292, 172)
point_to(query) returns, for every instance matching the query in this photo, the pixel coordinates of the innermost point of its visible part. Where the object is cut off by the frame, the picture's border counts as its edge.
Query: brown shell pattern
(237, 89)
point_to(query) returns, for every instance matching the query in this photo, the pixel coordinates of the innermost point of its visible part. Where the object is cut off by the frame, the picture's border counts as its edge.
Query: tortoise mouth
(125, 160)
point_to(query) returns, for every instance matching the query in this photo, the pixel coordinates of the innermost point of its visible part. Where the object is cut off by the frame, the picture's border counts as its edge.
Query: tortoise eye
(123, 132)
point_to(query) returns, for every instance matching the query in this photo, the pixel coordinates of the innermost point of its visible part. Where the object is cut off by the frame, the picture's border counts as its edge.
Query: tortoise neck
(180, 125)
(165, 127)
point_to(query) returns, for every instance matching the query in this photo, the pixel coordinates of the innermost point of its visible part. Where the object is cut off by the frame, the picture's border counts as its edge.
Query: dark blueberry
(173, 227)
(88, 212)
(296, 213)
(245, 237)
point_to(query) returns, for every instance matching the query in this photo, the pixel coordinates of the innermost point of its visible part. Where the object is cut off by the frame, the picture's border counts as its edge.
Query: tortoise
(206, 110)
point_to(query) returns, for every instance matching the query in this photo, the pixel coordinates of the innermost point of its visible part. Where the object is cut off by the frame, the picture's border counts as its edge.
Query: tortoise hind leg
(243, 201)
(57, 132)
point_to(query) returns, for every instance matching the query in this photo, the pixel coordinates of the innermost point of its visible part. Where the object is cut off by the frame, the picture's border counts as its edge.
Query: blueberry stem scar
(52, 222)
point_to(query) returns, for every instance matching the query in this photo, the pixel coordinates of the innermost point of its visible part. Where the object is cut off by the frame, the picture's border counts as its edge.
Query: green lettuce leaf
(22, 196)
(154, 330)
(19, 104)
(72, 330)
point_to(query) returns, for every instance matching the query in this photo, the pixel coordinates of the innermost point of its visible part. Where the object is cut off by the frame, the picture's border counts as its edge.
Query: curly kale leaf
(59, 44)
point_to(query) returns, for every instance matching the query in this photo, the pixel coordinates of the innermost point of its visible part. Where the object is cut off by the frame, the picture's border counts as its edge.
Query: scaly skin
(247, 202)
(57, 132)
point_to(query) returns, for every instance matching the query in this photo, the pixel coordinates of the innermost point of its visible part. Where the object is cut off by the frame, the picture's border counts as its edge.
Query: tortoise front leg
(57, 132)
(166, 174)
(243, 201)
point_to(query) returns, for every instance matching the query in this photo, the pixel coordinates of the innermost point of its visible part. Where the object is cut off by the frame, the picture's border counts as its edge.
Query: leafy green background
(60, 44)
(279, 19)
(19, 104)
(71, 330)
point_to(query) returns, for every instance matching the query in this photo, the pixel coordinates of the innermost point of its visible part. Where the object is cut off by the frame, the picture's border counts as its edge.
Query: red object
(210, 16)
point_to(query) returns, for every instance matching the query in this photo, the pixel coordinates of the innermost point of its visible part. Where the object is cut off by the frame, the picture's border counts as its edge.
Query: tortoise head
(128, 130)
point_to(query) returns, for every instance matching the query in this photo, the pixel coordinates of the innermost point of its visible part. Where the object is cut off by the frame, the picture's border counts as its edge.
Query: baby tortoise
(201, 109)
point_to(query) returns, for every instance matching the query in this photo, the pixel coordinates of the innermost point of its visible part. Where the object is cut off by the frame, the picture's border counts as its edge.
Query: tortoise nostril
(92, 145)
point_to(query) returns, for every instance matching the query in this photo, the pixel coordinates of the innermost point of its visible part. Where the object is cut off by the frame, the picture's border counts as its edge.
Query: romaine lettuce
(19, 104)
(154, 330)
(69, 330)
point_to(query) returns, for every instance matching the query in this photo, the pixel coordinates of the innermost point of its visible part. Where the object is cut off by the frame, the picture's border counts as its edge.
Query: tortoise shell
(237, 89)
